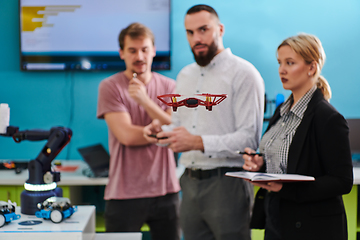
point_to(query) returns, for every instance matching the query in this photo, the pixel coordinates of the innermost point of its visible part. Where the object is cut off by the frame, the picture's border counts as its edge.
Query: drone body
(192, 102)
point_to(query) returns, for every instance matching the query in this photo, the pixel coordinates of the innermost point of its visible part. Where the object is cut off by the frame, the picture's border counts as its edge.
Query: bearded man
(214, 206)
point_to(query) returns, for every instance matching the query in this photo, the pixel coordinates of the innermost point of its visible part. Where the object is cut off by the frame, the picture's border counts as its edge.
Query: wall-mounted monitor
(82, 35)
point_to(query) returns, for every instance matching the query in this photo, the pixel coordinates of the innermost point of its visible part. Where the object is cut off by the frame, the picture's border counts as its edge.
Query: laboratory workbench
(81, 225)
(11, 186)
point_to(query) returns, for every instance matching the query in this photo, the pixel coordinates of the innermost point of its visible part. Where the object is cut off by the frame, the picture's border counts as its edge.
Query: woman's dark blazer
(320, 148)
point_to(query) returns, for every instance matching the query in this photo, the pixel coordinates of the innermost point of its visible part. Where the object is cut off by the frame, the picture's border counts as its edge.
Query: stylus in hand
(251, 154)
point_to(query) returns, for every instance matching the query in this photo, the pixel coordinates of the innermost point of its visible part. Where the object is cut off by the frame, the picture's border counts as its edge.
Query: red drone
(191, 102)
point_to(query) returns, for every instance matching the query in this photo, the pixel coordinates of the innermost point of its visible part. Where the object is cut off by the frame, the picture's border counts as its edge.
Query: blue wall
(253, 30)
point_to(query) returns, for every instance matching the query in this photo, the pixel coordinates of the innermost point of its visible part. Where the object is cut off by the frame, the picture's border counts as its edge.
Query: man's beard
(204, 60)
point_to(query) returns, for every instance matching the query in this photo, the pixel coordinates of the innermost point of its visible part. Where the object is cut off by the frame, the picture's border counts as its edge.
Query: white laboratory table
(11, 184)
(80, 226)
(71, 183)
(118, 236)
(75, 178)
(356, 171)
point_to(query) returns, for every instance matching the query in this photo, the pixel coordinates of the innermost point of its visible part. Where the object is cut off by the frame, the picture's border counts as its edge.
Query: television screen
(82, 35)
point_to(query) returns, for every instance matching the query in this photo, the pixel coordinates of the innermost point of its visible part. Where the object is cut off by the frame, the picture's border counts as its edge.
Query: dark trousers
(272, 211)
(160, 213)
(215, 207)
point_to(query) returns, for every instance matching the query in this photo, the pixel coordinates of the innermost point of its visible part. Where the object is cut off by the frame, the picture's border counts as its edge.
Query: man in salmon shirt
(143, 186)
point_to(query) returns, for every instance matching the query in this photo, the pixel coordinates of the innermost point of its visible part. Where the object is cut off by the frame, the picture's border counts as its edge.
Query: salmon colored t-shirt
(138, 171)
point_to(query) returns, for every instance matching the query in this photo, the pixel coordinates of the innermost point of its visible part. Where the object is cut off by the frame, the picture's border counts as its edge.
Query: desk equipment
(4, 117)
(17, 165)
(7, 212)
(42, 179)
(56, 209)
(354, 137)
(98, 160)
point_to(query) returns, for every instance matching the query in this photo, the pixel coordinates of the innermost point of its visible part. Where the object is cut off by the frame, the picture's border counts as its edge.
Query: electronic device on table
(98, 160)
(14, 165)
(42, 177)
(8, 212)
(354, 137)
(56, 209)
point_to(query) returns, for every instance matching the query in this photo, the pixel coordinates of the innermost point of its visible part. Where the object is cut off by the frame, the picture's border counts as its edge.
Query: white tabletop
(81, 225)
(76, 178)
(356, 171)
(118, 236)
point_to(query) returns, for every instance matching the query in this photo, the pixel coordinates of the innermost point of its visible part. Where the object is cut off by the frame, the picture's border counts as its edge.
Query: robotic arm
(40, 169)
(42, 180)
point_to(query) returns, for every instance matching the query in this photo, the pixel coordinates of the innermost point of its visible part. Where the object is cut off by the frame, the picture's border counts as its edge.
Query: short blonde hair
(310, 49)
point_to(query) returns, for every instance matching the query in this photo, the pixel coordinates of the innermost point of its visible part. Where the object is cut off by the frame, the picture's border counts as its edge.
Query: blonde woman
(305, 136)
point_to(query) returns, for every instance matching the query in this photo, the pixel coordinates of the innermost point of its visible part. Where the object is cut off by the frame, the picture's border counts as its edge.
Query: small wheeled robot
(56, 209)
(7, 212)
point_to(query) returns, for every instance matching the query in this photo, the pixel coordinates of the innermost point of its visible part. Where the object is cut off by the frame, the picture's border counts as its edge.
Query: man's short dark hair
(202, 7)
(134, 31)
